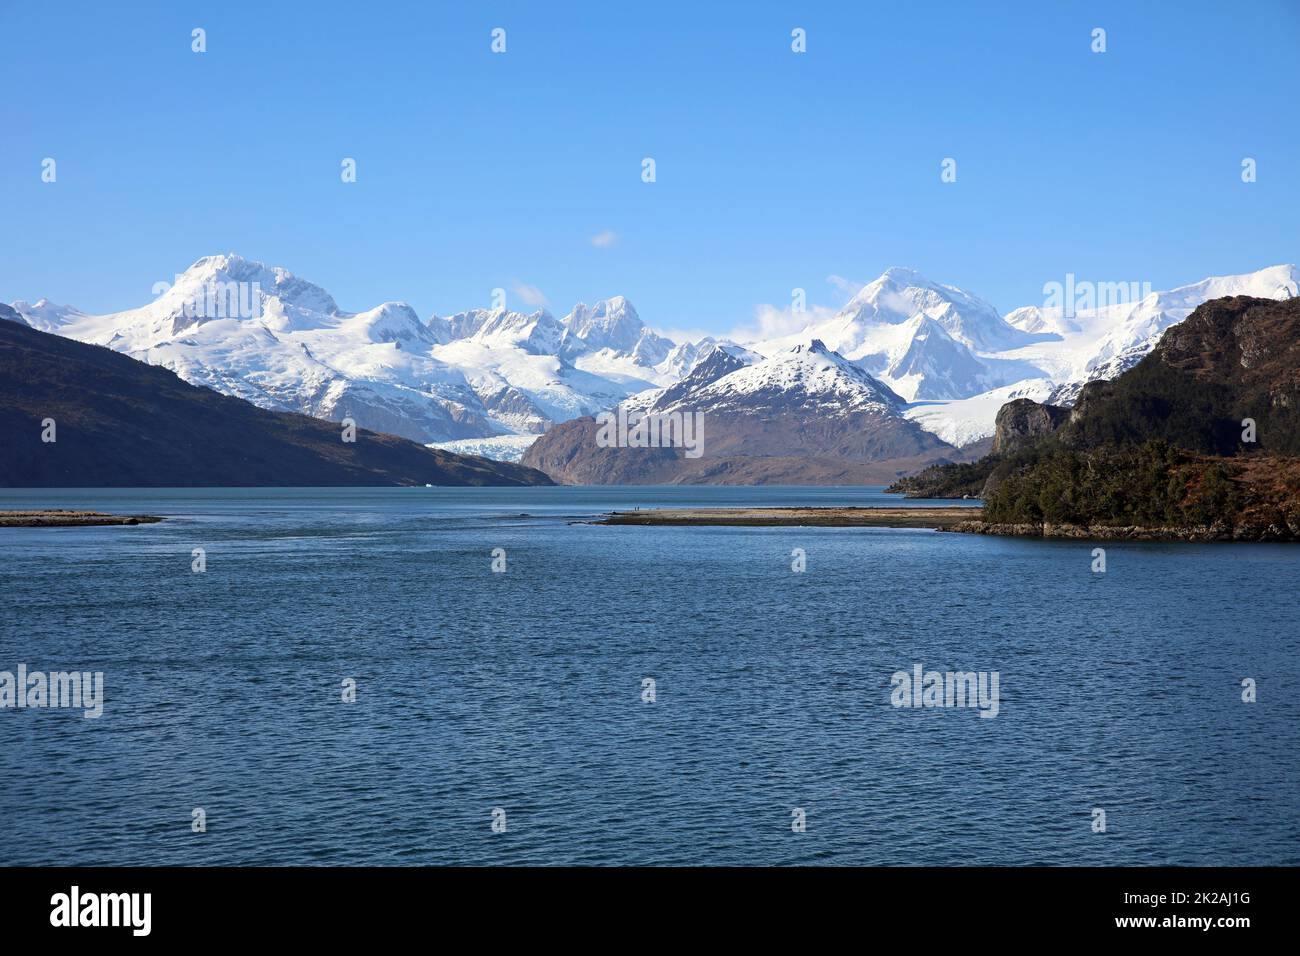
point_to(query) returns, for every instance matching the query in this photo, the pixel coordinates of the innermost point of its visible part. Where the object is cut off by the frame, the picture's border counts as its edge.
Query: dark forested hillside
(1200, 432)
(119, 422)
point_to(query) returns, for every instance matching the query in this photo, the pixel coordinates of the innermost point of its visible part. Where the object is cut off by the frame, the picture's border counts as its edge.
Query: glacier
(494, 379)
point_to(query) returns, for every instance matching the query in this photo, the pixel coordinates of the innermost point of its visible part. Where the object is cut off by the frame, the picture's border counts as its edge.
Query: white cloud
(604, 239)
(529, 294)
(681, 335)
(771, 322)
(849, 287)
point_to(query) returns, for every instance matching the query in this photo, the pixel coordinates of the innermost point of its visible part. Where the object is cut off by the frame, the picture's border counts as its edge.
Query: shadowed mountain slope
(122, 423)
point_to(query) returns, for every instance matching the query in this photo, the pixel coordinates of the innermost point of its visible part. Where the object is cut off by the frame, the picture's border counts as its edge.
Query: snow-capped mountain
(536, 334)
(44, 315)
(924, 340)
(267, 336)
(613, 324)
(531, 371)
(1102, 341)
(264, 335)
(807, 377)
(934, 364)
(526, 391)
(780, 418)
(950, 353)
(685, 357)
(711, 359)
(1079, 346)
(900, 294)
(608, 339)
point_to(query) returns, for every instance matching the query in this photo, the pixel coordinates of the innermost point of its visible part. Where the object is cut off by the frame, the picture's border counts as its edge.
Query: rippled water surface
(522, 690)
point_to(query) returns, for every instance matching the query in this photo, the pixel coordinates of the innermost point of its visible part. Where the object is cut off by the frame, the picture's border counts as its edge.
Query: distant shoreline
(1074, 532)
(56, 518)
(932, 518)
(959, 519)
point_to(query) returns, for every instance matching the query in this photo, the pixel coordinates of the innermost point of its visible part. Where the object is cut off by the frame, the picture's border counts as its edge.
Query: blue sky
(775, 170)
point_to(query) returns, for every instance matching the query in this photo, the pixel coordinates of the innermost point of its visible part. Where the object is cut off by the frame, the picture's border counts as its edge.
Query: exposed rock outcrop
(569, 455)
(806, 415)
(1024, 421)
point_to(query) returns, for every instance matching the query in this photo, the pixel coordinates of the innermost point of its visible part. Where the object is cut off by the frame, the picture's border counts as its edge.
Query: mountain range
(907, 369)
(805, 415)
(75, 415)
(282, 343)
(1197, 441)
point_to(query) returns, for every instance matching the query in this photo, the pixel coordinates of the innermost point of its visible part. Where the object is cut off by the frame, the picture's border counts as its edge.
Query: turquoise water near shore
(523, 690)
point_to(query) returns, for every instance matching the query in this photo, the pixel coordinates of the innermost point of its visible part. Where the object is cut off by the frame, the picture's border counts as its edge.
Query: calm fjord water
(522, 690)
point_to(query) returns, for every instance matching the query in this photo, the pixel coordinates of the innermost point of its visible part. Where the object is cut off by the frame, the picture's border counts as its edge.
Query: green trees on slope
(1151, 485)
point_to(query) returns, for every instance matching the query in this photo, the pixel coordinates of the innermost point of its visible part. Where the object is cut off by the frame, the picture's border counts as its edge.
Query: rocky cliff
(1223, 384)
(1023, 421)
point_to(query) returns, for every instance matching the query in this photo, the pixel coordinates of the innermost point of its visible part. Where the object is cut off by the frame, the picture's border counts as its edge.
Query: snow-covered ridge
(268, 336)
(263, 334)
(957, 360)
(807, 375)
(923, 339)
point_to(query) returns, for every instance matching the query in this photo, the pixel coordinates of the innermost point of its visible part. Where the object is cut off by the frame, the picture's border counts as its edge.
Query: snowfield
(957, 361)
(964, 421)
(283, 343)
(501, 448)
(935, 353)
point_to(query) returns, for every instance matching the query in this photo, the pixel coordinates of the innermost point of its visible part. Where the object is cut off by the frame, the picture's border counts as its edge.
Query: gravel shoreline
(957, 519)
(933, 518)
(55, 518)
